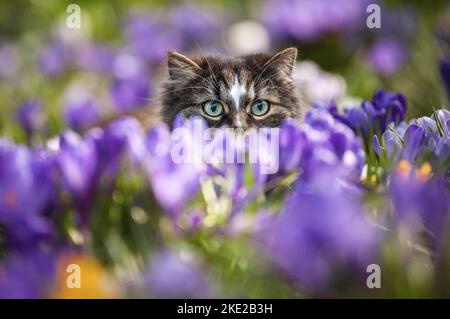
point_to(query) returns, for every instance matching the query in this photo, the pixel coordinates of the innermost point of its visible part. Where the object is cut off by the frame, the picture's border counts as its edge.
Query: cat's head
(250, 91)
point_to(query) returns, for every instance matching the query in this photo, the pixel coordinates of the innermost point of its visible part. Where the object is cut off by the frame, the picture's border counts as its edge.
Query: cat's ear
(181, 67)
(283, 61)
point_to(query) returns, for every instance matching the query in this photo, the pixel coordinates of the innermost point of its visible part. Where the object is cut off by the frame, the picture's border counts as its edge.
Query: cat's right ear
(181, 68)
(284, 60)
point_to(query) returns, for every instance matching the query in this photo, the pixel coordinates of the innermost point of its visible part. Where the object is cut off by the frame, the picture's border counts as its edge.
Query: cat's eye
(260, 107)
(213, 108)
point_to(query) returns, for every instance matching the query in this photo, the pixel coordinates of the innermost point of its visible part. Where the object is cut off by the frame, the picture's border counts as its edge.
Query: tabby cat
(249, 91)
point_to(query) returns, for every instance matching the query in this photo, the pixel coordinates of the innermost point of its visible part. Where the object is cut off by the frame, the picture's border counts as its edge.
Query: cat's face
(250, 91)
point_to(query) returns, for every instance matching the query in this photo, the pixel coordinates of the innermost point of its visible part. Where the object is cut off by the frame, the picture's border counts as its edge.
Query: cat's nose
(239, 121)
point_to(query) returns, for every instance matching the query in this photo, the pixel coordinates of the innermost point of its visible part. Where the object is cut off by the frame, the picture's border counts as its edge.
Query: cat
(251, 91)
(254, 90)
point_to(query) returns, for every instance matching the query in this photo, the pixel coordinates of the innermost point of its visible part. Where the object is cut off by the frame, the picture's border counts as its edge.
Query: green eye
(260, 107)
(213, 108)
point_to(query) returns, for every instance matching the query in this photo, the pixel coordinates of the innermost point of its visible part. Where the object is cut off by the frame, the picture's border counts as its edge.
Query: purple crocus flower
(26, 192)
(308, 20)
(147, 37)
(321, 230)
(175, 172)
(363, 119)
(130, 87)
(77, 161)
(444, 118)
(420, 140)
(170, 276)
(373, 117)
(54, 58)
(194, 24)
(27, 274)
(81, 113)
(387, 56)
(329, 142)
(434, 132)
(291, 144)
(224, 153)
(414, 138)
(391, 107)
(426, 141)
(157, 134)
(30, 117)
(400, 22)
(129, 93)
(95, 57)
(391, 143)
(97, 157)
(428, 125)
(124, 136)
(418, 198)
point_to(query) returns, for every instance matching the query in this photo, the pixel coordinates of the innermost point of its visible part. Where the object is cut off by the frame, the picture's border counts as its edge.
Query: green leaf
(438, 123)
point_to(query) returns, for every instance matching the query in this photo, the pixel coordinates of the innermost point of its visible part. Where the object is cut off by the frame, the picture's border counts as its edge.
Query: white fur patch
(237, 90)
(238, 122)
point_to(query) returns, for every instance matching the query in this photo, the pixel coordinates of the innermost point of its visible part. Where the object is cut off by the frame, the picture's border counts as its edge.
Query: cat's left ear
(181, 67)
(284, 60)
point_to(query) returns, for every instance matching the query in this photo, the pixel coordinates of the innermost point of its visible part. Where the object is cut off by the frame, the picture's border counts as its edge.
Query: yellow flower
(83, 277)
(403, 168)
(373, 179)
(424, 172)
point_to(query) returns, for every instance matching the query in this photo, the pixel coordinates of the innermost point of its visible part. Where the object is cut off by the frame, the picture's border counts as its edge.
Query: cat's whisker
(209, 67)
(150, 99)
(212, 73)
(264, 70)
